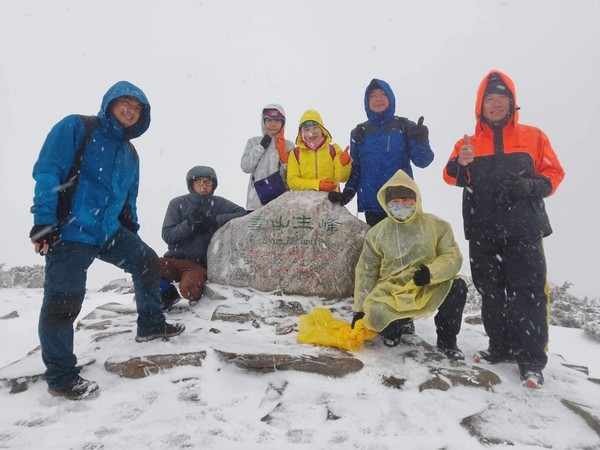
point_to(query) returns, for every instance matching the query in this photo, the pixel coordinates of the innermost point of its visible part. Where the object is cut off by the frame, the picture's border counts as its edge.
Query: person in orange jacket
(316, 163)
(507, 169)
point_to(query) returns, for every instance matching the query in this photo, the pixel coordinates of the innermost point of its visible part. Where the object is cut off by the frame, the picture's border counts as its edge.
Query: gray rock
(10, 315)
(300, 243)
(140, 367)
(331, 366)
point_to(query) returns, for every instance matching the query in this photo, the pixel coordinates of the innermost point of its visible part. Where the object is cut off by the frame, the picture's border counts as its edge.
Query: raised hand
(466, 154)
(345, 158)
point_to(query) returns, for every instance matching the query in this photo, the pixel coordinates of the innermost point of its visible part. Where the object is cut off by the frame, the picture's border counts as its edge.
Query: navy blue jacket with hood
(184, 242)
(382, 151)
(109, 172)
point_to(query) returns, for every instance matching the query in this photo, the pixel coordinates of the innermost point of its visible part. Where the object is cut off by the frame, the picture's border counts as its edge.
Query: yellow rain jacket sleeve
(393, 250)
(305, 172)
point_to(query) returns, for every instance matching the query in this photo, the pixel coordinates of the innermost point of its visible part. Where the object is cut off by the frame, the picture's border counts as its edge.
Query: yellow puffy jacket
(305, 172)
(393, 250)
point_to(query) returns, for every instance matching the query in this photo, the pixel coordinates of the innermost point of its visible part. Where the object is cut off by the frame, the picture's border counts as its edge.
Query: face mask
(401, 212)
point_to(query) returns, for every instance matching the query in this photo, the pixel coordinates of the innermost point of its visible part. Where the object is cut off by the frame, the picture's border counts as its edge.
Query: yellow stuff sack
(319, 327)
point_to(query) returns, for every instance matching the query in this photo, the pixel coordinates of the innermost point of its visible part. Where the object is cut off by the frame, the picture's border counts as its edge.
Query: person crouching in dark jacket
(189, 225)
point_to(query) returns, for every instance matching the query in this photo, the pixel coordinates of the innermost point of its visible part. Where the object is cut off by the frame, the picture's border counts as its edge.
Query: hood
(375, 83)
(270, 106)
(121, 89)
(201, 171)
(401, 178)
(311, 114)
(514, 119)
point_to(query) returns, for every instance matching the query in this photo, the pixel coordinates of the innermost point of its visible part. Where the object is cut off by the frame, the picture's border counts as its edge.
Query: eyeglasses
(200, 182)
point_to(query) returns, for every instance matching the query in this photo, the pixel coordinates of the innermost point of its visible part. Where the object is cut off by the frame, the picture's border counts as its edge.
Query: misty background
(208, 67)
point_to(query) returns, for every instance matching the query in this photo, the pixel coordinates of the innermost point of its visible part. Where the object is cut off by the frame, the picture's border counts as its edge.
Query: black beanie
(495, 85)
(393, 192)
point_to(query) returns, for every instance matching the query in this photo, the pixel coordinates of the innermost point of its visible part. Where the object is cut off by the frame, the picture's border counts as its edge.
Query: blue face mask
(401, 212)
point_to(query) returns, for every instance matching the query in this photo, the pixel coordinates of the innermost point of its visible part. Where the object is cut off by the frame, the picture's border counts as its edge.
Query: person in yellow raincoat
(408, 269)
(316, 163)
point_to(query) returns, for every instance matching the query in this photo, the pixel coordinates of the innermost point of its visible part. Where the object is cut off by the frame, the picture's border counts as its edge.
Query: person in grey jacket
(266, 154)
(189, 225)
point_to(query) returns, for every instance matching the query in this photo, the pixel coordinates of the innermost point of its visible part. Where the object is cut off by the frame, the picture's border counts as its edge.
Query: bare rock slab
(140, 367)
(331, 366)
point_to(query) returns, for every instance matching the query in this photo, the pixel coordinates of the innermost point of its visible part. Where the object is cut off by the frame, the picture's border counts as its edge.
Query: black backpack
(67, 189)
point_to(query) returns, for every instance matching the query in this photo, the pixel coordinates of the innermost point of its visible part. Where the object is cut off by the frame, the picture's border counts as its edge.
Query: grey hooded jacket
(261, 163)
(177, 232)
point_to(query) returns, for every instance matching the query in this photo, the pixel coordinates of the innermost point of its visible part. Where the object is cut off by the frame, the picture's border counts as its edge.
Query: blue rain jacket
(109, 171)
(382, 152)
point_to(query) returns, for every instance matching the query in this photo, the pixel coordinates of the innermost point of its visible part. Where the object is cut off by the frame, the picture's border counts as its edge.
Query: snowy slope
(219, 406)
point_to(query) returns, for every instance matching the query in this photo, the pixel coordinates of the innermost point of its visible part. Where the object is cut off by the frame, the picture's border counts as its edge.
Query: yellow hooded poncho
(312, 166)
(393, 250)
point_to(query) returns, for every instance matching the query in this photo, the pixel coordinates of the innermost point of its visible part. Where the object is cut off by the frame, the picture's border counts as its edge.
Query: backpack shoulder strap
(67, 189)
(332, 151)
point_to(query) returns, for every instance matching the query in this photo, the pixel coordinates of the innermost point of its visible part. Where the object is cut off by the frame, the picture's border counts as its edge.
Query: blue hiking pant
(64, 289)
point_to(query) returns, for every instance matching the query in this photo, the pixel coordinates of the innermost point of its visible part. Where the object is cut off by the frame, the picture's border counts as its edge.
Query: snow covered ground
(220, 406)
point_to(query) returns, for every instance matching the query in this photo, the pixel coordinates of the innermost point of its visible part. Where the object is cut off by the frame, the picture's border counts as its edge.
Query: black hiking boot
(494, 357)
(452, 352)
(76, 389)
(532, 378)
(393, 332)
(168, 331)
(408, 328)
(168, 298)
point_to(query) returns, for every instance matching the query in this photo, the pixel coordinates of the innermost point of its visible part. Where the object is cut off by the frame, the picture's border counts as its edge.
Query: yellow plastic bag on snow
(319, 327)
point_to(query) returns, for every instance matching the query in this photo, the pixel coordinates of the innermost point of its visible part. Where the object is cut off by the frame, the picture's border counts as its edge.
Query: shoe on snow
(532, 379)
(168, 298)
(75, 389)
(453, 353)
(391, 342)
(493, 357)
(408, 328)
(169, 330)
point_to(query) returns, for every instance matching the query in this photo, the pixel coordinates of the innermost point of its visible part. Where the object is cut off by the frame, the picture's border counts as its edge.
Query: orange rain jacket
(514, 149)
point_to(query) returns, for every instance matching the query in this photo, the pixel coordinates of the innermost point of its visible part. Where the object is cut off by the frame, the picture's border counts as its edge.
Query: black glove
(422, 276)
(43, 234)
(201, 222)
(342, 198)
(356, 318)
(265, 141)
(514, 187)
(419, 132)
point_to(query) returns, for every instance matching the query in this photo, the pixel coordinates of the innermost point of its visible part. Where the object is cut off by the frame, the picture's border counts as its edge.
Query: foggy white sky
(209, 66)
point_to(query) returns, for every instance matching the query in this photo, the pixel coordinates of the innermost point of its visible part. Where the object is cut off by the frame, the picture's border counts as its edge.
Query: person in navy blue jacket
(379, 148)
(100, 222)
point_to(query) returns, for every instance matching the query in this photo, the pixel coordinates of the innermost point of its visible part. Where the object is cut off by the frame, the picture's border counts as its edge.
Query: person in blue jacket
(379, 148)
(100, 222)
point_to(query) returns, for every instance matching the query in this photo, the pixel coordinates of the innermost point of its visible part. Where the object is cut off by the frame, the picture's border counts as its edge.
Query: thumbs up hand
(280, 146)
(345, 158)
(466, 154)
(419, 132)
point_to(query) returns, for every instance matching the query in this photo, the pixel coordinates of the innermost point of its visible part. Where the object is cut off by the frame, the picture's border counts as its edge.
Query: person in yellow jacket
(408, 269)
(316, 163)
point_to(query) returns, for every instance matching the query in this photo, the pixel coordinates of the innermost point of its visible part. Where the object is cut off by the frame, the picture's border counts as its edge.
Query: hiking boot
(532, 378)
(452, 352)
(168, 331)
(76, 389)
(408, 328)
(393, 332)
(494, 357)
(168, 298)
